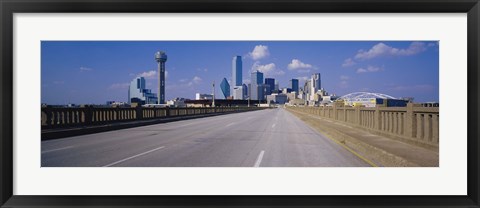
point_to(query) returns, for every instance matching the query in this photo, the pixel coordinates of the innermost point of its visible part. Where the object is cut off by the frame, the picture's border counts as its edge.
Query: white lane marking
(259, 159)
(273, 126)
(230, 124)
(138, 155)
(53, 150)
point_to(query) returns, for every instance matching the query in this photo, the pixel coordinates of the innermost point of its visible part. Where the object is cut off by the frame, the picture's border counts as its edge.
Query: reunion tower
(161, 58)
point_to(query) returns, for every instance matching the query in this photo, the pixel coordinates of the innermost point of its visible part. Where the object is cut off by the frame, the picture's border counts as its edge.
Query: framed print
(239, 104)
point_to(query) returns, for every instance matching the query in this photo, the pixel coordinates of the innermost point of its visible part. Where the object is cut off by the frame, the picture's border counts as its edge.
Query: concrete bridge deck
(267, 138)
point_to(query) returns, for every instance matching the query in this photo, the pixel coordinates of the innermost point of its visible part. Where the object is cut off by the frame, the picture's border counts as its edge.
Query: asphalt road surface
(265, 138)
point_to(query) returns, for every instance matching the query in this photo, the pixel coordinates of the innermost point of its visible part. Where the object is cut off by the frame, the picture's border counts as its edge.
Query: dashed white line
(53, 150)
(138, 155)
(259, 159)
(230, 124)
(273, 126)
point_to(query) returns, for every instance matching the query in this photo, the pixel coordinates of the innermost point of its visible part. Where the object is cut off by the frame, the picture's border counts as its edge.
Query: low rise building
(177, 102)
(199, 96)
(277, 98)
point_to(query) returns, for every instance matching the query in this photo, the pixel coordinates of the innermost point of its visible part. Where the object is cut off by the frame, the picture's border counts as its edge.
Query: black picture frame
(9, 7)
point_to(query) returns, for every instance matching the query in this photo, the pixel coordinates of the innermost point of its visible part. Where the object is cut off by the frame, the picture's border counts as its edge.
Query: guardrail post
(335, 111)
(377, 118)
(357, 115)
(48, 117)
(435, 130)
(88, 115)
(138, 113)
(410, 122)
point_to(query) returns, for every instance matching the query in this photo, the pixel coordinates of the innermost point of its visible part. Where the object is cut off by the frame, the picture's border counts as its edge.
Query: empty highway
(265, 138)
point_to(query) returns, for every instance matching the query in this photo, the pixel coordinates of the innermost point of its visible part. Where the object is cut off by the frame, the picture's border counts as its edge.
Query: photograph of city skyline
(240, 103)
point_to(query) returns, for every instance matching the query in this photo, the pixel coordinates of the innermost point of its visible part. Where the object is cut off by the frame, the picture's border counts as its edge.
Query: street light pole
(213, 97)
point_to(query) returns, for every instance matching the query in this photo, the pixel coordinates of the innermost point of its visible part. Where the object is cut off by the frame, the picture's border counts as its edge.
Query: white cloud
(280, 72)
(304, 78)
(85, 69)
(382, 49)
(369, 69)
(152, 74)
(148, 74)
(119, 86)
(259, 52)
(263, 68)
(343, 77)
(348, 62)
(267, 69)
(197, 80)
(299, 66)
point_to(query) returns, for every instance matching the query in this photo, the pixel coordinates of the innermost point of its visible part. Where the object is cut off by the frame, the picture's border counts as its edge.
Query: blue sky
(83, 72)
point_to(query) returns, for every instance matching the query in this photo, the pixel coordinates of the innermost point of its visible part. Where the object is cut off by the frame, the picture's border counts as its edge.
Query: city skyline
(84, 72)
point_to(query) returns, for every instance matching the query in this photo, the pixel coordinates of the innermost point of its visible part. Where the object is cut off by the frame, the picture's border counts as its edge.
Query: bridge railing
(59, 117)
(417, 124)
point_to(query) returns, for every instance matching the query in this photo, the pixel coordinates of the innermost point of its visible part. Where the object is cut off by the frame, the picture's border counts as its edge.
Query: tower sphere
(160, 56)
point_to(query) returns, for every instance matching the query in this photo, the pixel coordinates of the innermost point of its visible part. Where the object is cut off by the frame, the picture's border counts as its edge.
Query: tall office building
(315, 85)
(237, 71)
(257, 86)
(306, 88)
(257, 92)
(294, 85)
(257, 78)
(161, 58)
(238, 93)
(245, 91)
(225, 87)
(277, 85)
(270, 85)
(138, 93)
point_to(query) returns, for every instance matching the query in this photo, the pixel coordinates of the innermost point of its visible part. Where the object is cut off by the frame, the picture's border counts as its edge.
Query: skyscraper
(161, 58)
(225, 87)
(315, 85)
(294, 85)
(138, 92)
(307, 88)
(237, 71)
(270, 82)
(257, 86)
(245, 91)
(257, 78)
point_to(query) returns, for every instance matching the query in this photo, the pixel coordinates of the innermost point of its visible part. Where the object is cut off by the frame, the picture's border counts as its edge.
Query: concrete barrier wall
(414, 124)
(87, 116)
